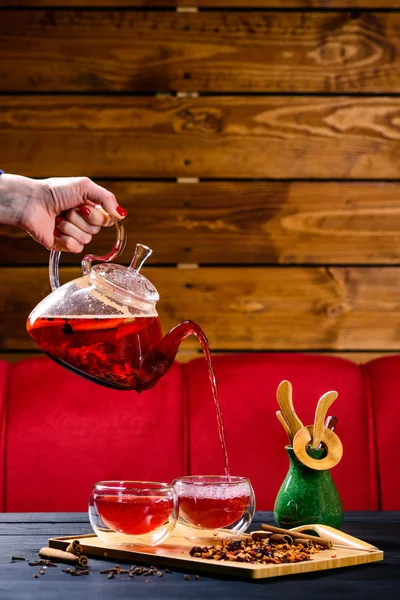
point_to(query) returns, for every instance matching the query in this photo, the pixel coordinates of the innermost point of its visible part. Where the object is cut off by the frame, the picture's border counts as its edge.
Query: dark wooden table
(23, 534)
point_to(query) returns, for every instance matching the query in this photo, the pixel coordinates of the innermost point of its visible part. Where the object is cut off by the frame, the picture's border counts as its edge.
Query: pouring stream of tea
(163, 356)
(199, 333)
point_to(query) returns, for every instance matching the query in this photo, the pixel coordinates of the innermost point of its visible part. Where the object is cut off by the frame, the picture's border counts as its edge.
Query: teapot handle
(87, 260)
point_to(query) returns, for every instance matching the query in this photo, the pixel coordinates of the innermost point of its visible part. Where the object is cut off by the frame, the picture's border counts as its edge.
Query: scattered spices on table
(16, 558)
(259, 550)
(42, 563)
(106, 571)
(77, 572)
(134, 571)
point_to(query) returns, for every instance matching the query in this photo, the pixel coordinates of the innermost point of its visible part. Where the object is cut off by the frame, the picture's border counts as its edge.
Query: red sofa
(60, 433)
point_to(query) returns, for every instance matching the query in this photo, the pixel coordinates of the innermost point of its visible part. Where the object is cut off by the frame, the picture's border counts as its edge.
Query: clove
(16, 558)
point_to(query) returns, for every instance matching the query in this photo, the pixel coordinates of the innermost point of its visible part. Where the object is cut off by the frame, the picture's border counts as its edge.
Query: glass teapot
(104, 325)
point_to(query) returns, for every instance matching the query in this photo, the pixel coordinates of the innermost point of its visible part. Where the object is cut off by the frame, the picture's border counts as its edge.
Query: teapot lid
(126, 282)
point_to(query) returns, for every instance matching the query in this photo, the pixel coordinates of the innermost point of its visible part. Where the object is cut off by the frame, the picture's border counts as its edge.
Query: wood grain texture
(214, 3)
(276, 137)
(199, 52)
(275, 308)
(244, 222)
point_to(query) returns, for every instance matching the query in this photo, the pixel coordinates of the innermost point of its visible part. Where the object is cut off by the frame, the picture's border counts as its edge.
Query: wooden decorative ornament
(331, 441)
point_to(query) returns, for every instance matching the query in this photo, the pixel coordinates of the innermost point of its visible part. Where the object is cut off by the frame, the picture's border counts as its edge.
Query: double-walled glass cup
(127, 513)
(214, 505)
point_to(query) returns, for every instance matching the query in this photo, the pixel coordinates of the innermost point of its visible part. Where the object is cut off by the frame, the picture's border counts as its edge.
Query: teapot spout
(160, 359)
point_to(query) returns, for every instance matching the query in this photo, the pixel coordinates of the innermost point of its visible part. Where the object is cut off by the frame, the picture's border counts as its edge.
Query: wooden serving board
(347, 551)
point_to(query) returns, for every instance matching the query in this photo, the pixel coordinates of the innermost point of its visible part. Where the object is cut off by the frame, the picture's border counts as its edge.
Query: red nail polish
(121, 211)
(58, 219)
(85, 210)
(57, 233)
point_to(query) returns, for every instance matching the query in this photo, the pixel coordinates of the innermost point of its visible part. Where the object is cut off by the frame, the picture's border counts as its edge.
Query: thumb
(99, 195)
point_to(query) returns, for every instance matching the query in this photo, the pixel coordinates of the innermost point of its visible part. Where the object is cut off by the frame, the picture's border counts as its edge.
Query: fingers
(99, 195)
(68, 229)
(65, 243)
(73, 232)
(75, 228)
(88, 219)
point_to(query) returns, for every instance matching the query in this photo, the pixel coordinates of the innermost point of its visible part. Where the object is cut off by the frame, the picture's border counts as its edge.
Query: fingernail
(121, 211)
(57, 233)
(85, 210)
(58, 219)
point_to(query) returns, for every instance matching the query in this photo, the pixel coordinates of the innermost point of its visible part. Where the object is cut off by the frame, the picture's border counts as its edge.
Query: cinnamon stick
(324, 542)
(74, 547)
(261, 535)
(63, 557)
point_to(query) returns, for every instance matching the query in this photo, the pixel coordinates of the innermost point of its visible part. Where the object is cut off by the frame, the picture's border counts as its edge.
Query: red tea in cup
(133, 515)
(213, 502)
(212, 513)
(126, 513)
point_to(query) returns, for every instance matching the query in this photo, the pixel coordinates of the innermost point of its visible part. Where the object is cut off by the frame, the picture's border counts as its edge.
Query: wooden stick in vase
(285, 426)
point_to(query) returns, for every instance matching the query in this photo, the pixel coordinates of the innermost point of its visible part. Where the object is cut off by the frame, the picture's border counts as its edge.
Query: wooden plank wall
(255, 145)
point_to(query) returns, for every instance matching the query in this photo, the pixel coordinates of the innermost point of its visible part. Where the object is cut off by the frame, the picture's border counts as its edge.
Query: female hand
(58, 212)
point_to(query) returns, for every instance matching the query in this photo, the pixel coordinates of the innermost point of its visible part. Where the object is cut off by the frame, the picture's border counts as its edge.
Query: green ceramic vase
(307, 496)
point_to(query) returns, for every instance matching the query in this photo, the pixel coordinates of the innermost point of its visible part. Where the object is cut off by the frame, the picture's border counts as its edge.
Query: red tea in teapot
(134, 515)
(109, 350)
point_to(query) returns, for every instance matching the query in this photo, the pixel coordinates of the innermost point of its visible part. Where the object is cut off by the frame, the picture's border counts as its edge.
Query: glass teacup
(214, 505)
(126, 513)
